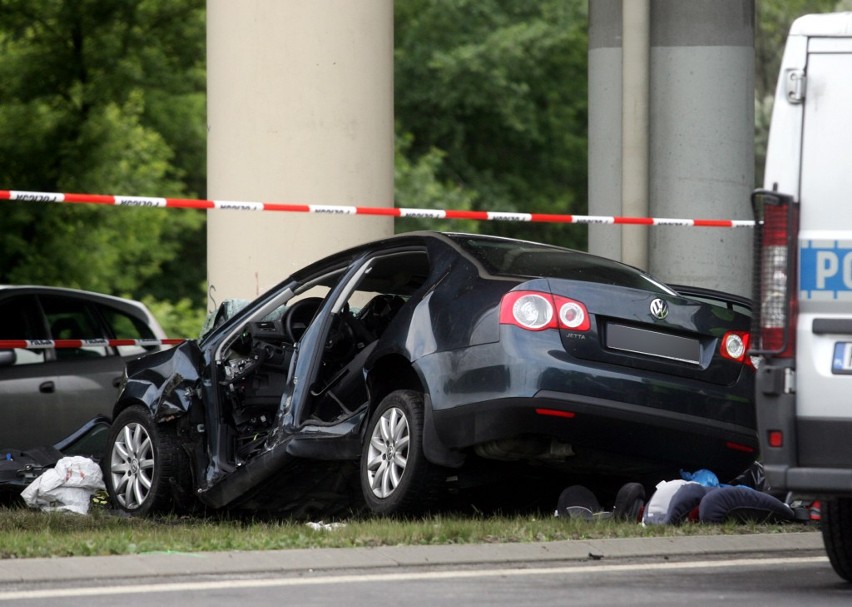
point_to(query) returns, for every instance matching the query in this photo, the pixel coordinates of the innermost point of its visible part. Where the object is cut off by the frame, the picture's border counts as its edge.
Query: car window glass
(125, 326)
(530, 259)
(317, 288)
(386, 286)
(19, 319)
(70, 318)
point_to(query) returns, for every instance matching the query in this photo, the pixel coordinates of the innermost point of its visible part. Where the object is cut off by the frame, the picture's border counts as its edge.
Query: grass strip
(26, 533)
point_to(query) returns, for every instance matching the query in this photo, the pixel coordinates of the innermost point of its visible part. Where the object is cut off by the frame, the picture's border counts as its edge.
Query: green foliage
(491, 97)
(183, 318)
(417, 185)
(103, 96)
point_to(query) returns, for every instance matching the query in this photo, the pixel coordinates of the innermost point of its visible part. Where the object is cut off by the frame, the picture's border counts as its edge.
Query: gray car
(48, 393)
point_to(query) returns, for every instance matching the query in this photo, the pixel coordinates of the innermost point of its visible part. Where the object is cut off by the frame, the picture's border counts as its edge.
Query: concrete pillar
(300, 110)
(635, 108)
(605, 84)
(701, 135)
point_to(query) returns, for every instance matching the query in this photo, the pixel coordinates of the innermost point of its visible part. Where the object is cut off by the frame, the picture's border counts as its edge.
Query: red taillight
(529, 310)
(739, 447)
(735, 347)
(536, 311)
(556, 413)
(775, 438)
(776, 271)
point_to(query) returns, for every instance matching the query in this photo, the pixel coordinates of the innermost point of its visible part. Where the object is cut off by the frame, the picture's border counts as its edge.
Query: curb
(174, 564)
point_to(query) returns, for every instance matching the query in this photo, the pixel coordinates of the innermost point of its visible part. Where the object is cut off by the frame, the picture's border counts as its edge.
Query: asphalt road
(778, 569)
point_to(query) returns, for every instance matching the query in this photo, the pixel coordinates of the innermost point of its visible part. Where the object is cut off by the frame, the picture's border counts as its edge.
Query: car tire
(836, 523)
(396, 477)
(145, 469)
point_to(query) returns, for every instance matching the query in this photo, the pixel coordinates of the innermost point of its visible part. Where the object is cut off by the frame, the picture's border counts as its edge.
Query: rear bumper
(809, 481)
(529, 385)
(668, 439)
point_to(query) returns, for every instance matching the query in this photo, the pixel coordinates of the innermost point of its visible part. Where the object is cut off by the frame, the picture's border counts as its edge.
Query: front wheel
(144, 464)
(396, 478)
(836, 522)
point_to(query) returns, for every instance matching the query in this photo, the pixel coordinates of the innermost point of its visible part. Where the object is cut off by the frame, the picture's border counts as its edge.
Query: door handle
(47, 387)
(116, 382)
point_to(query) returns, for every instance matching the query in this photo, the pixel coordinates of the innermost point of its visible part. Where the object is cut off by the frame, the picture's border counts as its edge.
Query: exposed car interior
(257, 363)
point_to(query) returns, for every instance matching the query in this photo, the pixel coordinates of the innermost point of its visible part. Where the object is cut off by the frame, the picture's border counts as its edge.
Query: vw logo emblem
(659, 309)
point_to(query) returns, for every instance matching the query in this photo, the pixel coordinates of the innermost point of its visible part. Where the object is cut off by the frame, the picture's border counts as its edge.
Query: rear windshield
(513, 258)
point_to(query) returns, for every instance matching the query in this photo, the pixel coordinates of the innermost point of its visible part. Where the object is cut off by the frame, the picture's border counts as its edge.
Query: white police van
(803, 282)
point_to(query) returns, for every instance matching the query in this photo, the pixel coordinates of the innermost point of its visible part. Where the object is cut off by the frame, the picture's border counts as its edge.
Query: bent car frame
(415, 358)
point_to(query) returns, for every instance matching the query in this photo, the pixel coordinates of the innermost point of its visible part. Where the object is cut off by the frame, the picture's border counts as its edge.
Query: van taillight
(775, 269)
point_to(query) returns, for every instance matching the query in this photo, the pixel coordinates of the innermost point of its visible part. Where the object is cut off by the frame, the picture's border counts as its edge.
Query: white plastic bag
(68, 486)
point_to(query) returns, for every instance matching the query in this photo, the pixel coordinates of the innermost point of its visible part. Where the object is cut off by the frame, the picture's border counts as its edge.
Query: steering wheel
(298, 316)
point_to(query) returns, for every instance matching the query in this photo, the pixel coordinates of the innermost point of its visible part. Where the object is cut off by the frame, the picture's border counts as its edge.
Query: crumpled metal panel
(166, 382)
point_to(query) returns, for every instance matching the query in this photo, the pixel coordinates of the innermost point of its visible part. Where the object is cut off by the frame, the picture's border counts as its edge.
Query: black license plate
(653, 343)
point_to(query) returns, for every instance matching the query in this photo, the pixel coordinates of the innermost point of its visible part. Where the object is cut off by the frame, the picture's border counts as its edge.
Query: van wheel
(396, 478)
(145, 467)
(836, 516)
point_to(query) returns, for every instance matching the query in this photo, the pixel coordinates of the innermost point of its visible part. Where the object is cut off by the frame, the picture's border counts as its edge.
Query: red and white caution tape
(42, 344)
(186, 203)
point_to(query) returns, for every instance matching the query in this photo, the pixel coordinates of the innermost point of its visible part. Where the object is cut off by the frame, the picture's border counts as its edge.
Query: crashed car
(412, 360)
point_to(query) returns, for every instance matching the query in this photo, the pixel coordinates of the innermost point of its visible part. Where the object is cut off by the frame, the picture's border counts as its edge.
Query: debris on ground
(67, 487)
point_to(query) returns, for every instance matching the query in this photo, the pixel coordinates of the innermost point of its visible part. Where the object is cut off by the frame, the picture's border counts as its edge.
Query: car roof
(66, 291)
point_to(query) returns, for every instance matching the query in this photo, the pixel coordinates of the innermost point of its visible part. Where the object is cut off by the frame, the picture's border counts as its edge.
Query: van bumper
(809, 481)
(814, 455)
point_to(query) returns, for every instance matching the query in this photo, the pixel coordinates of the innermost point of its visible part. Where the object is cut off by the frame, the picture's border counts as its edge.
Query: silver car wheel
(388, 452)
(132, 466)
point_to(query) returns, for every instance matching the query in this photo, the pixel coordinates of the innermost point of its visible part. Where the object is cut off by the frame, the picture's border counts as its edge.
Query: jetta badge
(659, 308)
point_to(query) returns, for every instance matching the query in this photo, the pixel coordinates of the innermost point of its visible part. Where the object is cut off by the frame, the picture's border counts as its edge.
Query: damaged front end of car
(231, 409)
(167, 382)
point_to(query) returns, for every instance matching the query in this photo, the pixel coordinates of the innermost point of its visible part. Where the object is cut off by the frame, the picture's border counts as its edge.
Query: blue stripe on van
(825, 268)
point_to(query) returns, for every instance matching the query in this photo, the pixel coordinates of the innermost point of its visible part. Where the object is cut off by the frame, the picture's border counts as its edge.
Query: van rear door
(824, 335)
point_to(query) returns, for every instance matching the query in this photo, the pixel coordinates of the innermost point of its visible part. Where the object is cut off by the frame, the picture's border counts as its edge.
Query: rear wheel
(396, 478)
(836, 517)
(145, 466)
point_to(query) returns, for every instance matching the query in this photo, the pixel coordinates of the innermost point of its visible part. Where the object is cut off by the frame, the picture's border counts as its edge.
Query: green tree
(103, 96)
(109, 96)
(491, 103)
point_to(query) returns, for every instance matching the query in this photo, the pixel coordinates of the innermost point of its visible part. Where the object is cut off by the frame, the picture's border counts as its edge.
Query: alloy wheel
(132, 465)
(388, 452)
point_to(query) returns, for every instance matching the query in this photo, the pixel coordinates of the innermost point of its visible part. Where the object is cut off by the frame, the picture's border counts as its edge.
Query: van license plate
(842, 363)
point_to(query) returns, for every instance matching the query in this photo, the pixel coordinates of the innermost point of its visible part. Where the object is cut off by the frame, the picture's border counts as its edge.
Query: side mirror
(8, 358)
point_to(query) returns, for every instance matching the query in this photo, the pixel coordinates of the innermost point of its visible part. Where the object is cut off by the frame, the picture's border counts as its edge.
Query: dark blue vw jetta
(415, 358)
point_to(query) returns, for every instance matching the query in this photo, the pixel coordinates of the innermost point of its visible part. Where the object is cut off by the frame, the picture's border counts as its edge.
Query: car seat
(378, 313)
